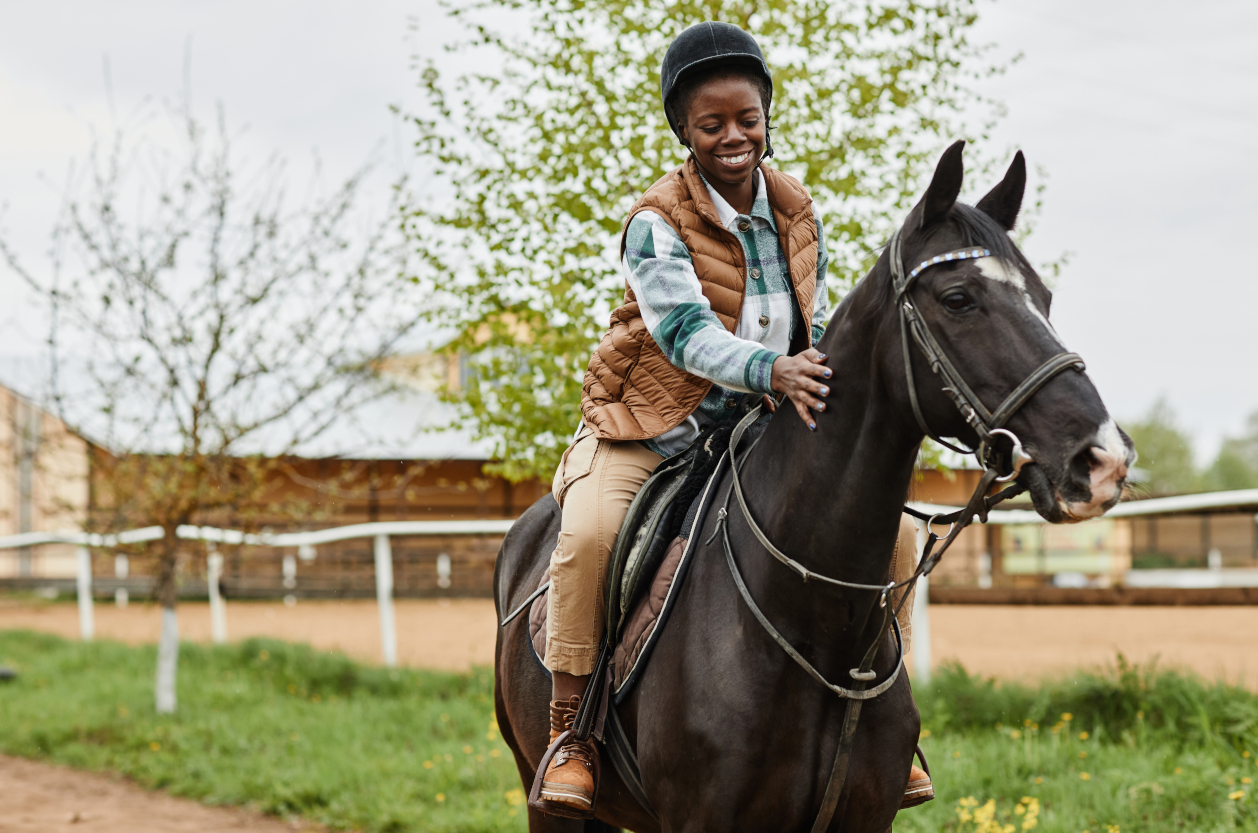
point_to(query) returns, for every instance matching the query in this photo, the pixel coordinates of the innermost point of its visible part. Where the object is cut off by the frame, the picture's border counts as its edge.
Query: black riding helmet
(707, 45)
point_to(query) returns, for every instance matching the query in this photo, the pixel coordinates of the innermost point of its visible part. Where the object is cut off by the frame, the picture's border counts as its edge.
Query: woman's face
(725, 129)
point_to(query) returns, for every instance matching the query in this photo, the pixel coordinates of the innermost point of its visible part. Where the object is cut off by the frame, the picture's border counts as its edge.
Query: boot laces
(562, 716)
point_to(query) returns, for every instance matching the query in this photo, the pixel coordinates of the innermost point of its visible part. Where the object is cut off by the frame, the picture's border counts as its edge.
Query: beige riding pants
(594, 485)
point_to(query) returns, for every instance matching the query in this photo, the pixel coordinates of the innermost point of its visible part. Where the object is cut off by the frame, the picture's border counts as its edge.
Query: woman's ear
(683, 134)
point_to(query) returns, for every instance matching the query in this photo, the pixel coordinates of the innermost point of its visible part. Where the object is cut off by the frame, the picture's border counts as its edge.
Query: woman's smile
(734, 161)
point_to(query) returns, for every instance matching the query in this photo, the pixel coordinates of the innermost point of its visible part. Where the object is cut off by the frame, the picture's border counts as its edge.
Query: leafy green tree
(535, 161)
(1166, 453)
(1236, 466)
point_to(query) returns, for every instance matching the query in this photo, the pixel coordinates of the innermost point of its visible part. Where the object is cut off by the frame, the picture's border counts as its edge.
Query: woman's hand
(801, 377)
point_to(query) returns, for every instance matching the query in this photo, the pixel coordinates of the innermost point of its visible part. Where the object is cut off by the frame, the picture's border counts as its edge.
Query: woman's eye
(957, 301)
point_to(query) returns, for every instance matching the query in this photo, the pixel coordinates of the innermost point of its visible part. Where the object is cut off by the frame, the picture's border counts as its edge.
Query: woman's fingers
(804, 415)
(770, 404)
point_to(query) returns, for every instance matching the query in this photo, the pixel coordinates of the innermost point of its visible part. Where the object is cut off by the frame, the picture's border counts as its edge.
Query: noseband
(998, 465)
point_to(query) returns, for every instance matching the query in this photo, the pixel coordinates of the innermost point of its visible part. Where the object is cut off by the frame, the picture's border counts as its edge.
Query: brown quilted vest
(632, 391)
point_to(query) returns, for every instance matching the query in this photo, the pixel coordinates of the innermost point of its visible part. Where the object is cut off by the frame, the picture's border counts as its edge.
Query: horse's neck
(831, 499)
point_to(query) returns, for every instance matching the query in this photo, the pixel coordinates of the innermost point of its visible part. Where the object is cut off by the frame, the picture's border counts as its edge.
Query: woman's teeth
(735, 160)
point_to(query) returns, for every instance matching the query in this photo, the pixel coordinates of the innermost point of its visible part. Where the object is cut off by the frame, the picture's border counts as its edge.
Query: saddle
(650, 558)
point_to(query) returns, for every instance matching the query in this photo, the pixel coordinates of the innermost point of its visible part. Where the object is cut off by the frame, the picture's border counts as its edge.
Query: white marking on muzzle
(1109, 468)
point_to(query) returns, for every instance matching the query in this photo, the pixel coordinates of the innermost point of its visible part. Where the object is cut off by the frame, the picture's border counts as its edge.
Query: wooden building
(43, 485)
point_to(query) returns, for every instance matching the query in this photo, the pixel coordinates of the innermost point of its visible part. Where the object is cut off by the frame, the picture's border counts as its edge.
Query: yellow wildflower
(1236, 796)
(1083, 736)
(1083, 776)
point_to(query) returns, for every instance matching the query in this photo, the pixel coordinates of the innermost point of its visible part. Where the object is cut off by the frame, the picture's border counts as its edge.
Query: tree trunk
(167, 661)
(168, 644)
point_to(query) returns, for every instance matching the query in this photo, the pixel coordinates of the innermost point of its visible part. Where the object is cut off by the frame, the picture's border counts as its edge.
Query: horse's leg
(883, 753)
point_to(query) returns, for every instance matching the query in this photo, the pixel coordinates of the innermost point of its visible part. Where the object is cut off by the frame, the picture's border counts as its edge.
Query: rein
(998, 466)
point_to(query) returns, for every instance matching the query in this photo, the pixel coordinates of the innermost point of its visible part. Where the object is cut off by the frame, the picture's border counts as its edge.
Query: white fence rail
(303, 541)
(381, 533)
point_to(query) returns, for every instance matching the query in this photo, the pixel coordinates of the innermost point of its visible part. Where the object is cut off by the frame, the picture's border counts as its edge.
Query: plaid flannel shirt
(679, 317)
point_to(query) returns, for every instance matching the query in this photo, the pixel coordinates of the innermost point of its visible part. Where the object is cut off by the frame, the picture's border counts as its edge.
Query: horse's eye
(957, 301)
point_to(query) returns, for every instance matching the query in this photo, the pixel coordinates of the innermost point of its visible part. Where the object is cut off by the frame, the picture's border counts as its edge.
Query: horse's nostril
(1095, 467)
(1081, 465)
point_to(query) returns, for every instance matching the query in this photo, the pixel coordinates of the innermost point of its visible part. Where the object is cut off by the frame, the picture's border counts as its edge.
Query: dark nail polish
(825, 391)
(827, 374)
(821, 406)
(823, 357)
(812, 425)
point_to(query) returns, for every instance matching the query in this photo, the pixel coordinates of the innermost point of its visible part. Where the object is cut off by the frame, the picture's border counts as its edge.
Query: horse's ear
(1005, 200)
(944, 186)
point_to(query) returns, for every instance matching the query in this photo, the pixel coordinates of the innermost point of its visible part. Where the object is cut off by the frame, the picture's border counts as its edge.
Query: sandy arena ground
(1012, 642)
(1022, 642)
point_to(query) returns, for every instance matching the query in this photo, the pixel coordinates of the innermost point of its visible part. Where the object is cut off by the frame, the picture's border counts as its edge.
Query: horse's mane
(977, 229)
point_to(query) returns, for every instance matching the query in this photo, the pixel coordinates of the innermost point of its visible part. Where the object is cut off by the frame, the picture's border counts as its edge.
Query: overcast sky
(1143, 114)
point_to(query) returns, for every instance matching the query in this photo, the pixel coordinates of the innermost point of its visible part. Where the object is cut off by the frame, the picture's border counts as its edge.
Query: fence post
(384, 598)
(218, 611)
(87, 623)
(121, 569)
(921, 616)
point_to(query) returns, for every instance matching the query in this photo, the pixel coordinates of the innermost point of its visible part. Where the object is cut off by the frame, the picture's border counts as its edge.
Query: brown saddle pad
(645, 616)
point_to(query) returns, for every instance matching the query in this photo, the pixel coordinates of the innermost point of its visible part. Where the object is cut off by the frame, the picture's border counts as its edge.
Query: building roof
(407, 421)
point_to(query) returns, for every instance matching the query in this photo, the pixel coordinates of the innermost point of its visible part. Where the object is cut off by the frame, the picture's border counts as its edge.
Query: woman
(725, 297)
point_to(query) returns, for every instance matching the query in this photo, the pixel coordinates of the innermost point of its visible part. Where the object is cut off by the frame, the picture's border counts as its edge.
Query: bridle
(988, 425)
(998, 464)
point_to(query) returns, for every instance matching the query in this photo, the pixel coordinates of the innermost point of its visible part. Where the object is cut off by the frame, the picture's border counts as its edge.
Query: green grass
(1128, 749)
(293, 731)
(280, 727)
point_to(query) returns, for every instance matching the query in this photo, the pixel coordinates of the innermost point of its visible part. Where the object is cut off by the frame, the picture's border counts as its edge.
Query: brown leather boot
(919, 790)
(571, 779)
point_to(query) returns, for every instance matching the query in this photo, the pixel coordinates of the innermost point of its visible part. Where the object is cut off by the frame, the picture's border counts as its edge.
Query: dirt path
(41, 798)
(1004, 641)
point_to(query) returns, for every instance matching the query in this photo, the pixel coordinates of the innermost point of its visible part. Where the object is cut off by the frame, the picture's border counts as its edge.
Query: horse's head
(989, 316)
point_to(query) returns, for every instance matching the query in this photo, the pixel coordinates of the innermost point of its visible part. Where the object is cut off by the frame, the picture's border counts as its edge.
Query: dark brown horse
(731, 734)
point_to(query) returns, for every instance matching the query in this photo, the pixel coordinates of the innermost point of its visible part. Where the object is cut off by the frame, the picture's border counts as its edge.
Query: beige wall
(43, 485)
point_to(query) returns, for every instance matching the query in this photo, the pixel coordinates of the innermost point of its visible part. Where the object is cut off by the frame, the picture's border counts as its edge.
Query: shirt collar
(726, 212)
